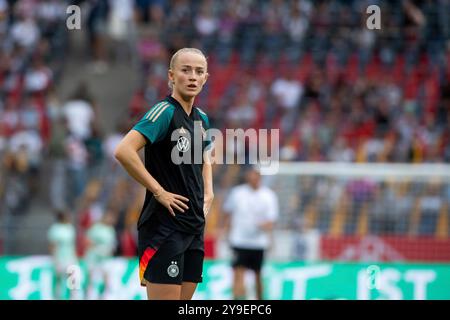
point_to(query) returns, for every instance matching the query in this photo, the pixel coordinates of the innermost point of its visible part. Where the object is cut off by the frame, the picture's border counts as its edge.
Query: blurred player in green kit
(101, 246)
(62, 238)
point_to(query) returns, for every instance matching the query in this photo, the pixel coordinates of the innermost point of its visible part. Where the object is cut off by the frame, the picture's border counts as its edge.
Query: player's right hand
(172, 201)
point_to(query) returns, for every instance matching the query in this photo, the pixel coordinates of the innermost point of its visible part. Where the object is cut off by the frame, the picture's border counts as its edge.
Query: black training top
(174, 157)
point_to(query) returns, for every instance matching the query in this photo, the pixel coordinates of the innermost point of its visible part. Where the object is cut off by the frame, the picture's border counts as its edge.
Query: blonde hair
(180, 51)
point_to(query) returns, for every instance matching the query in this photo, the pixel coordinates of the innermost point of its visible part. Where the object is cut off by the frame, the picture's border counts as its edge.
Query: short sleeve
(154, 125)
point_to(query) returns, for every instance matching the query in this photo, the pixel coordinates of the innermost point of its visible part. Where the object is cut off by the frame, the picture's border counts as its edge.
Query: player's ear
(206, 78)
(170, 75)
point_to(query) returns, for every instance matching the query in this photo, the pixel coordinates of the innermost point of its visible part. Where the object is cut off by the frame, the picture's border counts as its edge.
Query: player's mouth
(192, 87)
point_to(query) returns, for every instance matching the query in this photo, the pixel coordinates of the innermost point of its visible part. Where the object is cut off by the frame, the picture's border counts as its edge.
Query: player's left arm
(272, 213)
(207, 183)
(207, 174)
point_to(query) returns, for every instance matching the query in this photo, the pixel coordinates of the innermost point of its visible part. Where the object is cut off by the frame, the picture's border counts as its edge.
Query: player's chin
(191, 93)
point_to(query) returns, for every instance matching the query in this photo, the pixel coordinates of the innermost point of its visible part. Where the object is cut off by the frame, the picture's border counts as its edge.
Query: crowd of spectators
(337, 90)
(31, 46)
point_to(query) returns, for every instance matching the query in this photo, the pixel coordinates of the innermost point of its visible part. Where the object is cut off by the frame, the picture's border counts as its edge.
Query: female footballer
(178, 195)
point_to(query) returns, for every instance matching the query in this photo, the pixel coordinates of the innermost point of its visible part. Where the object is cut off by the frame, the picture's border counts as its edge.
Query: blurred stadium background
(364, 183)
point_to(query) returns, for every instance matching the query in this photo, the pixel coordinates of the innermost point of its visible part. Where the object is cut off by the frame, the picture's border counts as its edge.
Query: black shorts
(169, 256)
(248, 258)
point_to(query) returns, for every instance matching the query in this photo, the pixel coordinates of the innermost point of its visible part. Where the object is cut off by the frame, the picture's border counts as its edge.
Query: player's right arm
(227, 210)
(272, 212)
(127, 153)
(52, 248)
(51, 240)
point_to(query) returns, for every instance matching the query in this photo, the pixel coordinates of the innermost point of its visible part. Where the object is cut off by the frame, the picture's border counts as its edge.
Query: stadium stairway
(112, 90)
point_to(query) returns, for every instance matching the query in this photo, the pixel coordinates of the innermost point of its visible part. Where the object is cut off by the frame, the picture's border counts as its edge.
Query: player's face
(253, 179)
(189, 74)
